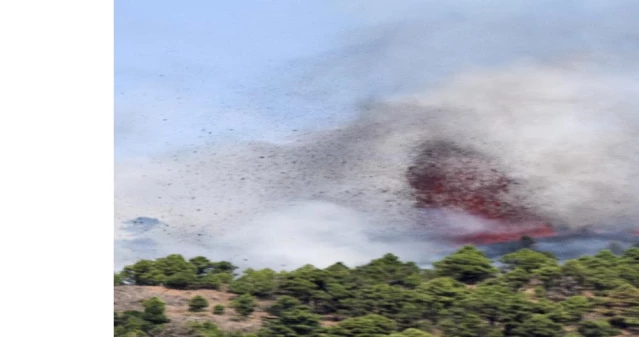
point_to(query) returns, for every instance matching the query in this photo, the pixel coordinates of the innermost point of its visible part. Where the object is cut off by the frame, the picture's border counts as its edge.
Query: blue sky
(187, 72)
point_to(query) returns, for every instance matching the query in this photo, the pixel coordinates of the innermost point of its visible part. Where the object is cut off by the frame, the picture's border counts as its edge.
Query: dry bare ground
(177, 305)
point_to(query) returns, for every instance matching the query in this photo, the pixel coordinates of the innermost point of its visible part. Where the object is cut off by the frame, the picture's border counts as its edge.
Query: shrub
(539, 326)
(219, 309)
(206, 329)
(244, 305)
(282, 304)
(154, 311)
(198, 303)
(468, 265)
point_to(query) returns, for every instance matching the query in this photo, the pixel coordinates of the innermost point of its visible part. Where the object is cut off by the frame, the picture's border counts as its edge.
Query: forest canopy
(531, 294)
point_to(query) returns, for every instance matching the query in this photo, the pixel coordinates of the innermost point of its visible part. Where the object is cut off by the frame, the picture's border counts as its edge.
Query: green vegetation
(532, 294)
(174, 271)
(198, 303)
(597, 329)
(244, 305)
(219, 309)
(141, 323)
(468, 265)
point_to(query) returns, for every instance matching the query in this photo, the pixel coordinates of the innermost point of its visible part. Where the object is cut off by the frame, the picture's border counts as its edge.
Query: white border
(57, 149)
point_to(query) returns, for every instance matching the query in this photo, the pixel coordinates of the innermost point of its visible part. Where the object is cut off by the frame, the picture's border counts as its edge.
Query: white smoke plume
(563, 124)
(567, 135)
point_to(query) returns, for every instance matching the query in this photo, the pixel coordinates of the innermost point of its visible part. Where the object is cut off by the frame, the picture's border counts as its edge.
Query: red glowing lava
(541, 230)
(448, 177)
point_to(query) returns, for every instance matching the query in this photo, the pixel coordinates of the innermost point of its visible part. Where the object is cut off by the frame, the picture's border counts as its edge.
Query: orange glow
(544, 230)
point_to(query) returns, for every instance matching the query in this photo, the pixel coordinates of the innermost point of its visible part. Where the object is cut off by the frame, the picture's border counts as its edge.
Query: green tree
(628, 266)
(198, 303)
(601, 272)
(308, 284)
(553, 310)
(395, 302)
(468, 265)
(412, 332)
(388, 269)
(517, 278)
(154, 311)
(575, 307)
(209, 281)
(622, 300)
(339, 273)
(610, 258)
(224, 267)
(294, 319)
(131, 323)
(527, 259)
(118, 279)
(364, 326)
(143, 272)
(284, 303)
(574, 269)
(244, 305)
(201, 264)
(260, 283)
(226, 278)
(597, 329)
(628, 323)
(330, 299)
(291, 323)
(460, 323)
(441, 294)
(628, 273)
(182, 280)
(173, 264)
(631, 255)
(488, 302)
(549, 275)
(538, 326)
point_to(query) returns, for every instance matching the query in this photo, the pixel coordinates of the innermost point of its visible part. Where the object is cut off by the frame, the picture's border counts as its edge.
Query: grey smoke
(553, 104)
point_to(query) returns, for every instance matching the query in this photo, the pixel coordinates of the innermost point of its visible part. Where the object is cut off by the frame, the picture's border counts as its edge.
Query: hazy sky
(187, 72)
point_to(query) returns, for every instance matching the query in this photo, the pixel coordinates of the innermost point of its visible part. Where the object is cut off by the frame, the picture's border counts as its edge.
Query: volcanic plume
(446, 176)
(488, 156)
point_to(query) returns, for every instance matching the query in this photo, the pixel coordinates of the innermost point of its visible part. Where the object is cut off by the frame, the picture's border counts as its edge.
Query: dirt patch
(177, 305)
